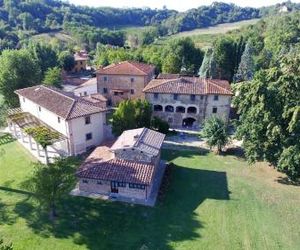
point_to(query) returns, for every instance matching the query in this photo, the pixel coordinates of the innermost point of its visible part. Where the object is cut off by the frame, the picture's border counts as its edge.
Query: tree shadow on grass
(100, 224)
(286, 181)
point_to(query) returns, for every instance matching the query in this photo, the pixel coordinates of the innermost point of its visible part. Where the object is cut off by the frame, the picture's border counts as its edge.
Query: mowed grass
(212, 202)
(205, 36)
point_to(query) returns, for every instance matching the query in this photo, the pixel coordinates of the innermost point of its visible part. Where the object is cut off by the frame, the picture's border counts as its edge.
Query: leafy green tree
(160, 125)
(131, 114)
(4, 246)
(53, 77)
(44, 55)
(289, 162)
(215, 130)
(269, 108)
(50, 183)
(66, 60)
(27, 20)
(246, 68)
(17, 70)
(205, 66)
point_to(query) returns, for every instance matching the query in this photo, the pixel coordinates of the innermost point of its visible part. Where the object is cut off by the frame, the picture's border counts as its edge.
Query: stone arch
(158, 108)
(180, 109)
(169, 108)
(188, 122)
(192, 110)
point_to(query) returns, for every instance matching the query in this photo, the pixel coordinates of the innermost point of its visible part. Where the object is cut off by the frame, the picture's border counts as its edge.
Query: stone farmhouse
(81, 57)
(187, 101)
(124, 80)
(78, 121)
(130, 170)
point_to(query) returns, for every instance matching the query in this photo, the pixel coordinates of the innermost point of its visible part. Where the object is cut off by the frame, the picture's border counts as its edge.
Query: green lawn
(212, 202)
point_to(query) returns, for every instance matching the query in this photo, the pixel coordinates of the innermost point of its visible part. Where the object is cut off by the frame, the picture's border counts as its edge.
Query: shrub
(160, 125)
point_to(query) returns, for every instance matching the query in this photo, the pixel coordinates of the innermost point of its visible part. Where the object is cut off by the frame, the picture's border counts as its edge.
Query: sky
(180, 5)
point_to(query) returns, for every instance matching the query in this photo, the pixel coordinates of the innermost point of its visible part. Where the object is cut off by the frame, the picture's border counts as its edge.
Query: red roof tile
(127, 68)
(189, 85)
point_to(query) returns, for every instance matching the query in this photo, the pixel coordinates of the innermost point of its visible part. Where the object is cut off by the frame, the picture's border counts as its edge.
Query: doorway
(188, 122)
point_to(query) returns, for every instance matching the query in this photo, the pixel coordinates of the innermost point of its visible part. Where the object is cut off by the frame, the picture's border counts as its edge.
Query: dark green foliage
(50, 183)
(289, 162)
(160, 125)
(18, 69)
(66, 60)
(53, 77)
(269, 108)
(216, 133)
(131, 114)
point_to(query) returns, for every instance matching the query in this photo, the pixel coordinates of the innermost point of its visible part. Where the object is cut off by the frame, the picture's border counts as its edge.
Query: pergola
(16, 118)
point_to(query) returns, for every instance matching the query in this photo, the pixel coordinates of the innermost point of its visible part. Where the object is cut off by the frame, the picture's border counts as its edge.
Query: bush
(160, 125)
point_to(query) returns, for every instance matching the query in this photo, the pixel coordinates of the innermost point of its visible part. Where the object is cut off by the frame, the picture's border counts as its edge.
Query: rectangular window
(58, 119)
(85, 93)
(132, 80)
(136, 186)
(121, 184)
(85, 181)
(202, 97)
(87, 120)
(88, 137)
(40, 109)
(116, 93)
(104, 90)
(215, 110)
(193, 97)
(156, 95)
(105, 78)
(132, 91)
(175, 96)
(99, 182)
(216, 98)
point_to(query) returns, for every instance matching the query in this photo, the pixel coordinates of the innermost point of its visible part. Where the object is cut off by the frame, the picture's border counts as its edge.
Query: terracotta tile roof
(64, 104)
(168, 76)
(142, 139)
(189, 85)
(97, 99)
(92, 81)
(101, 165)
(127, 68)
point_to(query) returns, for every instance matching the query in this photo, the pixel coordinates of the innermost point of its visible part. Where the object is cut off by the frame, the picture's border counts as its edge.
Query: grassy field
(212, 202)
(204, 37)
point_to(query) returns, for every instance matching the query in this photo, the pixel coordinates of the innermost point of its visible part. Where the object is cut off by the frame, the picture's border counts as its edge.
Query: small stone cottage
(127, 170)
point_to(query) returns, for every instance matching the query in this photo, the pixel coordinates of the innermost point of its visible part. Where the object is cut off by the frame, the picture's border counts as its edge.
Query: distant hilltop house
(81, 57)
(79, 121)
(130, 170)
(124, 80)
(187, 101)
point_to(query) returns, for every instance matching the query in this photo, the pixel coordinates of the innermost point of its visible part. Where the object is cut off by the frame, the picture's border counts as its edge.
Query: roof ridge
(131, 63)
(140, 137)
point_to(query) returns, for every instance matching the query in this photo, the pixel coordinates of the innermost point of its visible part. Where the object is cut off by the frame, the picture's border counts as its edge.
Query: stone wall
(132, 89)
(188, 107)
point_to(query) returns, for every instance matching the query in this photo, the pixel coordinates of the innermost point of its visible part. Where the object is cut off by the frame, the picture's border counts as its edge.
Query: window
(215, 110)
(40, 109)
(85, 181)
(180, 109)
(87, 120)
(132, 91)
(202, 97)
(121, 184)
(105, 78)
(170, 120)
(169, 108)
(132, 80)
(157, 108)
(116, 93)
(99, 182)
(84, 93)
(23, 99)
(175, 97)
(81, 62)
(104, 90)
(155, 95)
(88, 136)
(216, 98)
(193, 97)
(136, 186)
(58, 119)
(192, 110)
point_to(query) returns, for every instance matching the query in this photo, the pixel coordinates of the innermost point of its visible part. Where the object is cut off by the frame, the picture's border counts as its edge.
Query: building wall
(80, 65)
(85, 90)
(123, 82)
(78, 130)
(105, 189)
(204, 107)
(44, 115)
